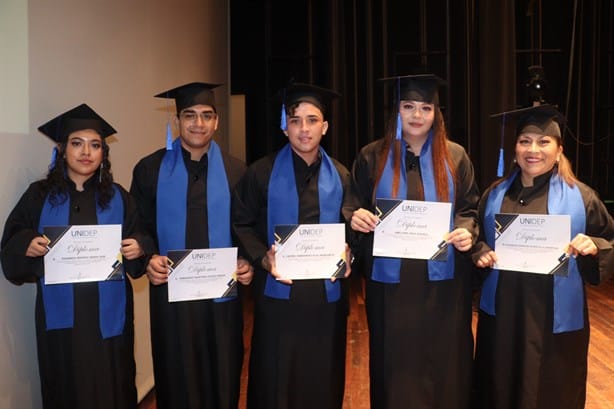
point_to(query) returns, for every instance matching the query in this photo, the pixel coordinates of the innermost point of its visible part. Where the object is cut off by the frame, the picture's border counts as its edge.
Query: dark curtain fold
(497, 79)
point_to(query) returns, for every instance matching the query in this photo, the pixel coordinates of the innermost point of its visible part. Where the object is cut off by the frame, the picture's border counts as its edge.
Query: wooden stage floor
(600, 385)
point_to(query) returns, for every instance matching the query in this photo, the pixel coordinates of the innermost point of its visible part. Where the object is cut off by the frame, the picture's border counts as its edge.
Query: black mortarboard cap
(318, 96)
(544, 119)
(418, 87)
(76, 119)
(297, 92)
(194, 93)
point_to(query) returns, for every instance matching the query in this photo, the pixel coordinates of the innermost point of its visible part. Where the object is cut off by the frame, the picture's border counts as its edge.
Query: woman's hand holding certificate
(82, 253)
(412, 229)
(532, 243)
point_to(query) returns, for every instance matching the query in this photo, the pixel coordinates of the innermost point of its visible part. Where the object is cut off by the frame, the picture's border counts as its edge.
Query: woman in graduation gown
(85, 334)
(298, 346)
(533, 329)
(418, 311)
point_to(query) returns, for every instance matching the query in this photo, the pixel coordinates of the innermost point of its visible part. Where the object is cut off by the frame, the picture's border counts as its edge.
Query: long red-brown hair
(440, 152)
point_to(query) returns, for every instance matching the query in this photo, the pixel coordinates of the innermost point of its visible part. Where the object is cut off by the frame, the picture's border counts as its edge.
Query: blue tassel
(283, 125)
(399, 128)
(169, 137)
(500, 164)
(54, 155)
(399, 135)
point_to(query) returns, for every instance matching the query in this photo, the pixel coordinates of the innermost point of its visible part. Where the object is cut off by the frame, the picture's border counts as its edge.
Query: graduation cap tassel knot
(283, 123)
(169, 136)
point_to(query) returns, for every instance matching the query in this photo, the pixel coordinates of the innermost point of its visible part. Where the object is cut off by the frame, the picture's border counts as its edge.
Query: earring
(514, 160)
(100, 173)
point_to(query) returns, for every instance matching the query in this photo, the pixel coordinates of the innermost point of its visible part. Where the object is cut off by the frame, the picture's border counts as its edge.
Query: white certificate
(202, 274)
(82, 253)
(308, 251)
(532, 243)
(412, 229)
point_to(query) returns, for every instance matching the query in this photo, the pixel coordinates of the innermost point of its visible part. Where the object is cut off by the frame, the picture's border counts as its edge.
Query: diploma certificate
(412, 229)
(202, 274)
(532, 243)
(82, 253)
(308, 251)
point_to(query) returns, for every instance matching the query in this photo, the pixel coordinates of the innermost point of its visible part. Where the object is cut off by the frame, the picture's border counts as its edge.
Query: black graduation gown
(520, 363)
(197, 346)
(298, 345)
(420, 340)
(77, 367)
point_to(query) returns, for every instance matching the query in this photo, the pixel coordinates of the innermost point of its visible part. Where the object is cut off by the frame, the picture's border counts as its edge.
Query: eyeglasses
(191, 116)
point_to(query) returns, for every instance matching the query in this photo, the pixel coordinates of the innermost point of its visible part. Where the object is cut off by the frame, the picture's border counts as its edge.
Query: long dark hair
(440, 153)
(56, 184)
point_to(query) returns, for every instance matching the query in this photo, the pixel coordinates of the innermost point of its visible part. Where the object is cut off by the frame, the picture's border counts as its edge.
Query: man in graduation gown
(298, 346)
(183, 196)
(84, 331)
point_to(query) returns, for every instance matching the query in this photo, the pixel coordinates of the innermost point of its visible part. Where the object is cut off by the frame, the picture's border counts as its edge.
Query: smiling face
(306, 126)
(84, 154)
(536, 154)
(417, 119)
(197, 124)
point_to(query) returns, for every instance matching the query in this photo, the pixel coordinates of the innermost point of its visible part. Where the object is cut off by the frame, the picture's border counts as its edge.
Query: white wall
(114, 55)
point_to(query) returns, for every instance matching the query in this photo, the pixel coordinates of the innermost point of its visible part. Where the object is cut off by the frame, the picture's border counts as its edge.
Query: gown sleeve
(467, 193)
(19, 230)
(348, 204)
(249, 215)
(600, 228)
(361, 196)
(131, 229)
(480, 246)
(143, 192)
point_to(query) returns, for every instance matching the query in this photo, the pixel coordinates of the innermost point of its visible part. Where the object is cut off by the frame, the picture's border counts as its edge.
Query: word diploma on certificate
(310, 251)
(532, 243)
(412, 229)
(83, 253)
(202, 274)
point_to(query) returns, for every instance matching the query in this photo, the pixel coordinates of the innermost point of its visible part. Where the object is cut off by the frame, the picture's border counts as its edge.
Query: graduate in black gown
(183, 196)
(418, 311)
(298, 346)
(533, 329)
(85, 352)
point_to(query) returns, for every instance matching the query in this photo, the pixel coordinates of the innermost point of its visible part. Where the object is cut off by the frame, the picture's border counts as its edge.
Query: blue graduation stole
(283, 209)
(387, 269)
(58, 299)
(171, 201)
(568, 291)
